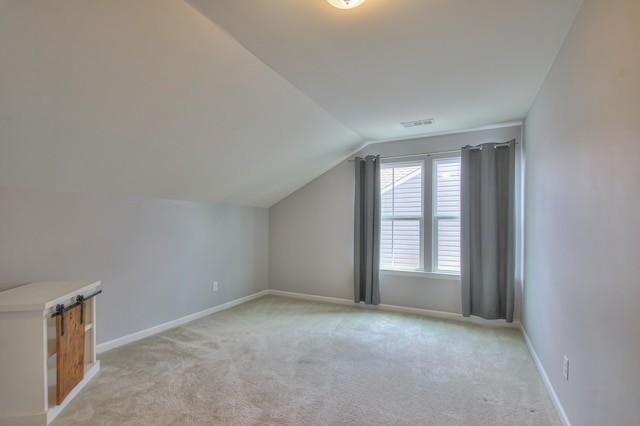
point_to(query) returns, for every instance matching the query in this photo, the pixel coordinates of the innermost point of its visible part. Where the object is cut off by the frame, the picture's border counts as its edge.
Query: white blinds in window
(401, 224)
(446, 215)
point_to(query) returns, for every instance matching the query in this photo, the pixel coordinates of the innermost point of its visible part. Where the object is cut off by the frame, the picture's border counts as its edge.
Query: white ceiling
(245, 101)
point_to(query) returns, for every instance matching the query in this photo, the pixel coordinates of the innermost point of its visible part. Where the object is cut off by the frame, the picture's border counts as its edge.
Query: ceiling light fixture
(345, 4)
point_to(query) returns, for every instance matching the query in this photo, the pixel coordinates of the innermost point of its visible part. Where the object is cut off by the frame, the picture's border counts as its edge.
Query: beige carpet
(279, 361)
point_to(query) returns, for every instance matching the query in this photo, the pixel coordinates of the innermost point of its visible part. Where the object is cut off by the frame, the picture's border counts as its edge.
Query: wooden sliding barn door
(70, 350)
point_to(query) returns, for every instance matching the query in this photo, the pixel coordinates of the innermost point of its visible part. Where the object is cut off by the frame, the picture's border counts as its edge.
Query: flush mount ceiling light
(345, 4)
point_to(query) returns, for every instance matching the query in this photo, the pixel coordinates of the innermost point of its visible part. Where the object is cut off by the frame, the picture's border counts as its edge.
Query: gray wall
(311, 237)
(582, 267)
(311, 233)
(157, 259)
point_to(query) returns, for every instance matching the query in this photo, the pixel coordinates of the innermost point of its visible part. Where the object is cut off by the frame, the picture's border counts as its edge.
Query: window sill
(421, 274)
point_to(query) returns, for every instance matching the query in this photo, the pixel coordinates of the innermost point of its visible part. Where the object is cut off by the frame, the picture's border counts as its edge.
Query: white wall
(582, 268)
(148, 98)
(157, 259)
(311, 233)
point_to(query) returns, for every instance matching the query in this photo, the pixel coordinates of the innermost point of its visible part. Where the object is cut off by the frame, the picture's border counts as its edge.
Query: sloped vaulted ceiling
(243, 102)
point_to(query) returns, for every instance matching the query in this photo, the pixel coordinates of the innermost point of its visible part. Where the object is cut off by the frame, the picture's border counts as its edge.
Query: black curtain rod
(451, 151)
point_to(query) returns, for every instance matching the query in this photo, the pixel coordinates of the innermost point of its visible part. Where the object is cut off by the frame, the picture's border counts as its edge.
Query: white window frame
(428, 243)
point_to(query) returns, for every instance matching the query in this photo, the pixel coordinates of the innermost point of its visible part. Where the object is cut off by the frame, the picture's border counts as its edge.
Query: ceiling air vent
(425, 122)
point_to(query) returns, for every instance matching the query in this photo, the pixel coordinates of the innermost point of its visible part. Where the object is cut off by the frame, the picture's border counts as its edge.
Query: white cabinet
(28, 349)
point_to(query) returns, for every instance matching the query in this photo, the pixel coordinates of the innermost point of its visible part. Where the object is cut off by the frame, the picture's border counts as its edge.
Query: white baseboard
(545, 378)
(120, 341)
(401, 309)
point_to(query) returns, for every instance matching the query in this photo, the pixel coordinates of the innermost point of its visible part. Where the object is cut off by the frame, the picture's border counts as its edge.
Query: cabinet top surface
(42, 295)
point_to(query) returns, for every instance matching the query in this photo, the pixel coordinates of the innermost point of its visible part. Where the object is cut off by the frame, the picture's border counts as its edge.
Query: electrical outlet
(215, 286)
(565, 369)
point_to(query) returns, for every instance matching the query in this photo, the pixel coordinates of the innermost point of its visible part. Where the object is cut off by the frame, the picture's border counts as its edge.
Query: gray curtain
(367, 230)
(487, 230)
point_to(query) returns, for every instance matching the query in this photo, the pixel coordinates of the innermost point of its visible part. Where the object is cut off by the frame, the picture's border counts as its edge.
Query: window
(446, 215)
(411, 239)
(402, 218)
